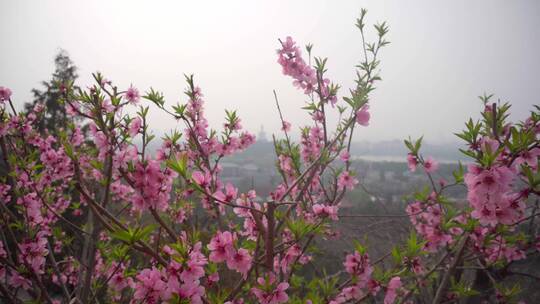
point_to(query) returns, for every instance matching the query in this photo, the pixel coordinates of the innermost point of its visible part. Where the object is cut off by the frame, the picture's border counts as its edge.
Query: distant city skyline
(441, 57)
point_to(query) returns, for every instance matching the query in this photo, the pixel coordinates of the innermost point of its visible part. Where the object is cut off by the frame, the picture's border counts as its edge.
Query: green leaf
(178, 165)
(122, 235)
(396, 255)
(458, 174)
(155, 97)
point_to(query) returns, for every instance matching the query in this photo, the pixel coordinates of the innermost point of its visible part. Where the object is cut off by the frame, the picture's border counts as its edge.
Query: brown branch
(169, 230)
(446, 279)
(270, 217)
(58, 273)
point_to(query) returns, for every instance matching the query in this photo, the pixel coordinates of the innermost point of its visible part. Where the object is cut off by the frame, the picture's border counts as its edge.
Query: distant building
(262, 135)
(250, 168)
(230, 170)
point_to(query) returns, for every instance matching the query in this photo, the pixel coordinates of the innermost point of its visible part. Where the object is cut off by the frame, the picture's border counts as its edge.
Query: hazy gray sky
(443, 54)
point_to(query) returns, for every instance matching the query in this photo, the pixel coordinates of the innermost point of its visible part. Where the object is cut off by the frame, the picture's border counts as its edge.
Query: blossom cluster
(222, 250)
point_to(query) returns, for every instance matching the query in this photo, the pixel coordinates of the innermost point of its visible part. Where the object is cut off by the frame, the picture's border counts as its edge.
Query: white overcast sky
(443, 55)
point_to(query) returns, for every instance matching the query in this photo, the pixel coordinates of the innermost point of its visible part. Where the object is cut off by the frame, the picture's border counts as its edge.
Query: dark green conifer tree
(53, 93)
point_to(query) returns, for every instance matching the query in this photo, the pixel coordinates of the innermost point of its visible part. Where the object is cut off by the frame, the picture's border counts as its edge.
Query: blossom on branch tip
(412, 162)
(286, 126)
(430, 165)
(346, 181)
(363, 116)
(134, 126)
(5, 94)
(132, 95)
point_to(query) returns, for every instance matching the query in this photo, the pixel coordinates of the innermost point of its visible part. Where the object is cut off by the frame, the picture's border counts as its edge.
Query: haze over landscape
(392, 196)
(441, 57)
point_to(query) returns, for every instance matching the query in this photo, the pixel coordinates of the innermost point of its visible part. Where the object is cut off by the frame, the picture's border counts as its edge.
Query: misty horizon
(441, 56)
